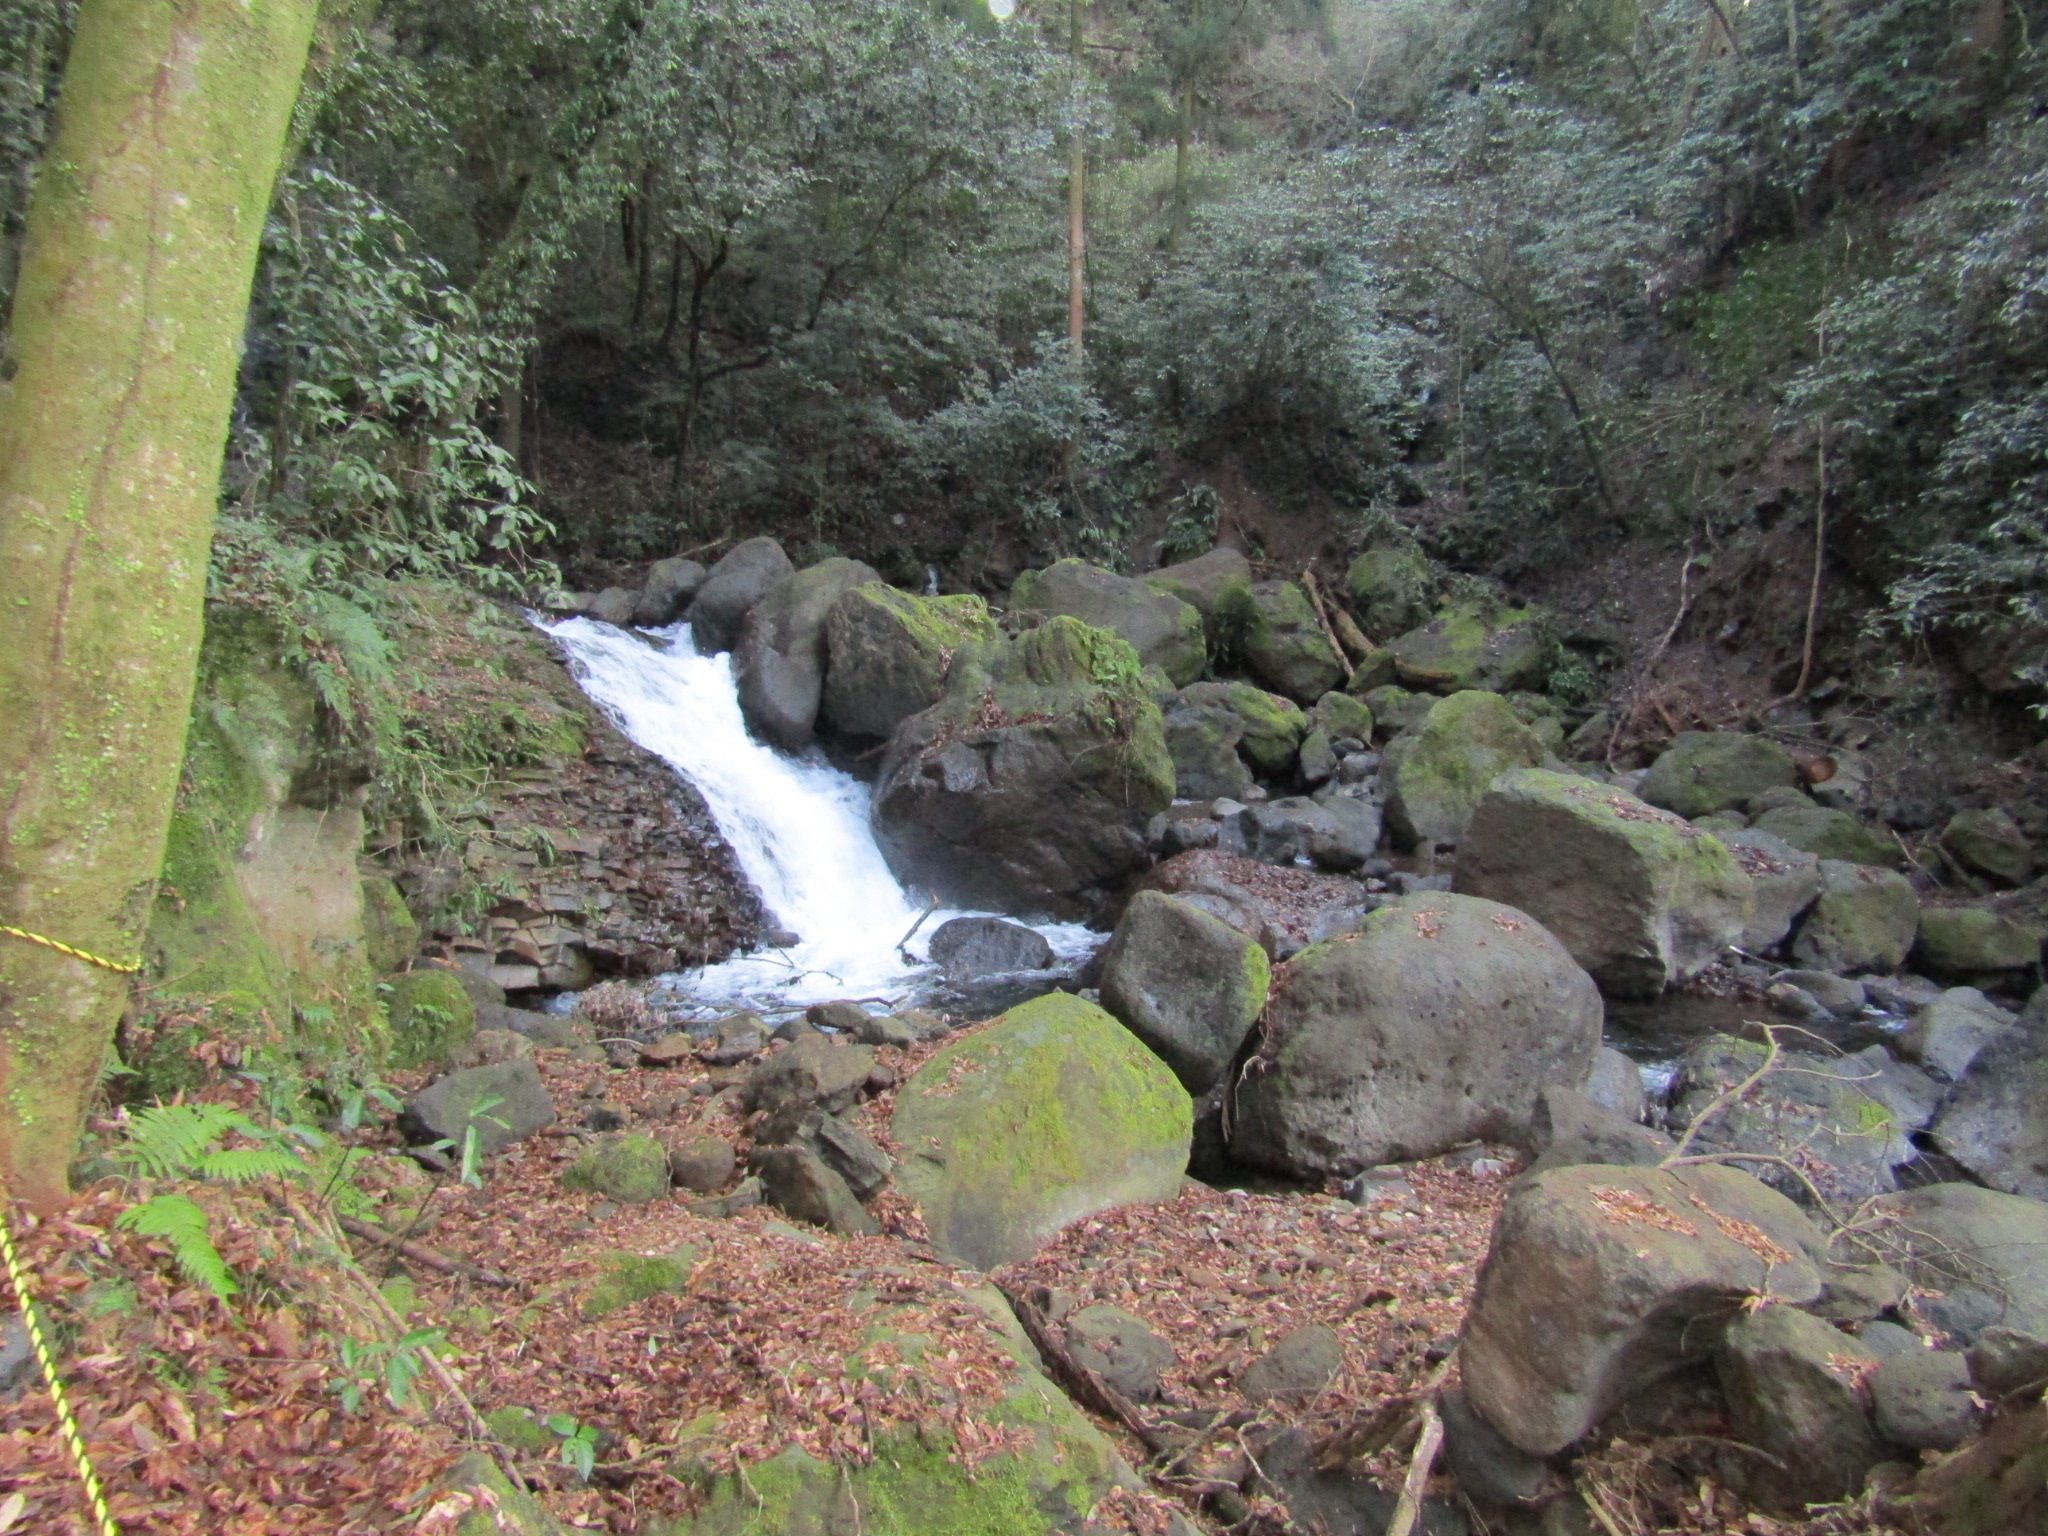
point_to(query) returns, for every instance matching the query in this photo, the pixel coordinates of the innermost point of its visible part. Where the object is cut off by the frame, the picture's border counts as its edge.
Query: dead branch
(1082, 1383)
(1315, 597)
(420, 1253)
(1635, 698)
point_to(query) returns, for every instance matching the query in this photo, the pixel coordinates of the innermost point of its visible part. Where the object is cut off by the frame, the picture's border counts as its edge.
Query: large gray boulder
(1794, 1388)
(1186, 983)
(1165, 632)
(1218, 586)
(1783, 883)
(1989, 843)
(1052, 1113)
(1474, 645)
(1272, 727)
(1947, 1034)
(1433, 777)
(1641, 898)
(1602, 1280)
(1706, 771)
(779, 663)
(1284, 644)
(1865, 919)
(1995, 1122)
(1203, 739)
(667, 590)
(748, 572)
(1439, 1019)
(504, 1102)
(1979, 1258)
(889, 654)
(1828, 834)
(1391, 588)
(1335, 832)
(969, 948)
(1028, 785)
(1975, 941)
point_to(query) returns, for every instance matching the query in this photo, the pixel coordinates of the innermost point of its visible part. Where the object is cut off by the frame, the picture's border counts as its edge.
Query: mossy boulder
(1474, 645)
(1865, 919)
(630, 1169)
(1284, 644)
(1437, 1020)
(1054, 1112)
(1028, 785)
(1273, 726)
(1392, 588)
(1706, 771)
(1186, 983)
(495, 1507)
(1165, 631)
(1433, 778)
(1989, 843)
(1218, 586)
(1395, 710)
(1828, 834)
(889, 654)
(1640, 897)
(624, 1278)
(779, 662)
(391, 934)
(1203, 740)
(1376, 669)
(1053, 1470)
(1338, 715)
(431, 1013)
(1972, 941)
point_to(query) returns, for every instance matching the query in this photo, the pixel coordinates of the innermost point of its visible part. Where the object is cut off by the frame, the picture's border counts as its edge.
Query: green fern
(243, 1165)
(175, 1218)
(167, 1141)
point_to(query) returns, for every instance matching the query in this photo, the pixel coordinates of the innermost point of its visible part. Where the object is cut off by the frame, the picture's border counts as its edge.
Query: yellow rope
(77, 954)
(67, 1426)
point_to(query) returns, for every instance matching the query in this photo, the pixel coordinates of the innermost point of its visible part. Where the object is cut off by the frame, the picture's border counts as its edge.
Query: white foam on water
(799, 827)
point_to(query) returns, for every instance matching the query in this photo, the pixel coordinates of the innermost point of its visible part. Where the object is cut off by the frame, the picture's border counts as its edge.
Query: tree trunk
(140, 249)
(1183, 132)
(1077, 203)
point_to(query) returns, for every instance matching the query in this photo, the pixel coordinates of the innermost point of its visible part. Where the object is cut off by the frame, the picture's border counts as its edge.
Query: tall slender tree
(140, 248)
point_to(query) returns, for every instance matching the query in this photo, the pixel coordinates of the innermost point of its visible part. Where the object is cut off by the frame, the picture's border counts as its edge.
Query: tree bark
(1077, 203)
(140, 249)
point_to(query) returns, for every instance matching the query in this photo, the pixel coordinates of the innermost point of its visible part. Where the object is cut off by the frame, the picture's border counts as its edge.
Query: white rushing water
(799, 827)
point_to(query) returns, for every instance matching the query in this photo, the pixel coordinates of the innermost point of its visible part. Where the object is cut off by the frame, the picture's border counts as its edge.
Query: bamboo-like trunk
(140, 248)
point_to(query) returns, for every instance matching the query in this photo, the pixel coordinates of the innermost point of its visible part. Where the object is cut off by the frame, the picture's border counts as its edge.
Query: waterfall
(799, 827)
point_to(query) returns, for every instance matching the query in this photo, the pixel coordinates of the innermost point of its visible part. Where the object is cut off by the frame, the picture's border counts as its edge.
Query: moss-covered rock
(1284, 644)
(1054, 1112)
(491, 1505)
(1392, 588)
(1828, 834)
(1376, 669)
(889, 653)
(631, 1169)
(1203, 740)
(1218, 586)
(431, 1014)
(1338, 715)
(1395, 710)
(1639, 896)
(779, 663)
(1989, 843)
(1865, 919)
(1474, 645)
(390, 932)
(521, 1431)
(624, 1278)
(1706, 771)
(1186, 983)
(1972, 941)
(1433, 777)
(1165, 631)
(1027, 787)
(1273, 726)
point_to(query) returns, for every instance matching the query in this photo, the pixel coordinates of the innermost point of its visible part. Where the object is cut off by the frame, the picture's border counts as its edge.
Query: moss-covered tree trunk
(127, 325)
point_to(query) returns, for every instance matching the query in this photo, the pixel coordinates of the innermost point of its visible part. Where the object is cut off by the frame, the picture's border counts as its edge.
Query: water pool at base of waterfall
(799, 828)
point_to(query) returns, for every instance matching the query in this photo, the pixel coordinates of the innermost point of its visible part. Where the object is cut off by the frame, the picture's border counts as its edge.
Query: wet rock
(1975, 941)
(968, 948)
(745, 575)
(1640, 897)
(1989, 843)
(1339, 834)
(1120, 1349)
(1783, 883)
(1186, 983)
(1434, 777)
(632, 1170)
(1439, 1021)
(1979, 1257)
(1165, 632)
(1923, 1400)
(1473, 645)
(796, 1182)
(1995, 1122)
(702, 1165)
(889, 655)
(1029, 784)
(668, 589)
(1706, 771)
(1298, 1366)
(1946, 1035)
(1284, 646)
(1602, 1280)
(614, 605)
(505, 1103)
(1841, 996)
(1050, 1114)
(1795, 1388)
(779, 662)
(1865, 919)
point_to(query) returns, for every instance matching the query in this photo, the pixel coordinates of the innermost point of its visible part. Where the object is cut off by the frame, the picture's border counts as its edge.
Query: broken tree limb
(420, 1253)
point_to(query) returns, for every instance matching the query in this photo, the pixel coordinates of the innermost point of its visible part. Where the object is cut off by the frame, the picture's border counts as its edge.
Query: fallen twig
(1085, 1385)
(420, 1253)
(1315, 597)
(1408, 1508)
(911, 933)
